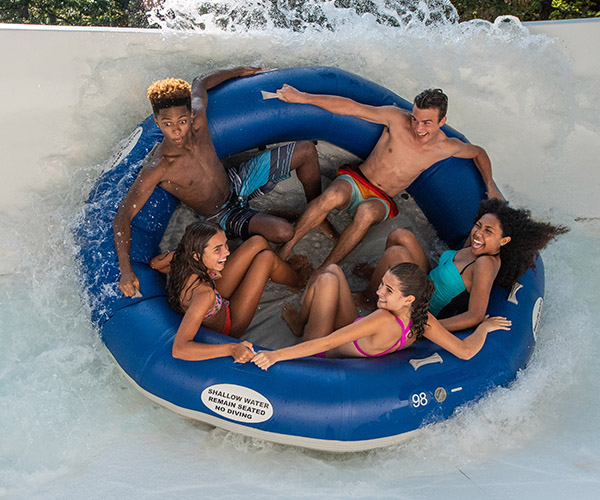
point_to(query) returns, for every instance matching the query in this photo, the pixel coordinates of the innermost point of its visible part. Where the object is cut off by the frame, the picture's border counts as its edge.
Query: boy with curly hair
(186, 165)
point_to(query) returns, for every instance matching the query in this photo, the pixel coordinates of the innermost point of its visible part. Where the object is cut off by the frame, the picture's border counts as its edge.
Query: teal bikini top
(448, 282)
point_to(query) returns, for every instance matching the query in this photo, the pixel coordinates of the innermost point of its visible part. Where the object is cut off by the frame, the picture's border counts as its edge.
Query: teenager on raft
(186, 165)
(330, 319)
(217, 289)
(502, 245)
(411, 142)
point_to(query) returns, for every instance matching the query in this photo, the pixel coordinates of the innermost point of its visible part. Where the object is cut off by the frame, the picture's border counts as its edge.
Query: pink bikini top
(400, 343)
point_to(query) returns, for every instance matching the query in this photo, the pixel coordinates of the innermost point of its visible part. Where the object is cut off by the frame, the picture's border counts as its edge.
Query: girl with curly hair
(502, 245)
(216, 289)
(329, 323)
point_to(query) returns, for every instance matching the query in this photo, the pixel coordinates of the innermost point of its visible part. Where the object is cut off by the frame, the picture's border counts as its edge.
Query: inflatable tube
(326, 404)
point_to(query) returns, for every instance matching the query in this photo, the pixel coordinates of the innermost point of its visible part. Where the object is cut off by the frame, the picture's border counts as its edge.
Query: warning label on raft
(237, 403)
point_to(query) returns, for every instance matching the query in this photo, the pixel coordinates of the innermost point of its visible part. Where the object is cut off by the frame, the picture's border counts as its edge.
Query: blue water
(73, 426)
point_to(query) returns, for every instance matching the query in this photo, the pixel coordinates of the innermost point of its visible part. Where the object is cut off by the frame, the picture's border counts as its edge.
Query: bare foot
(328, 230)
(302, 267)
(292, 318)
(363, 270)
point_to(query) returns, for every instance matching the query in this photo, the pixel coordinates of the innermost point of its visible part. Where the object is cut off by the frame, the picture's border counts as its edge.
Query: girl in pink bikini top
(399, 320)
(403, 299)
(400, 343)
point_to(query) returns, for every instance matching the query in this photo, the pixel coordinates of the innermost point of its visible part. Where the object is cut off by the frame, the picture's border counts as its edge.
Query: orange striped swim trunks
(363, 190)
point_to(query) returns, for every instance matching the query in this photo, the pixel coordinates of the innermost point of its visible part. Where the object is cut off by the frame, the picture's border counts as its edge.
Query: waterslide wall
(43, 72)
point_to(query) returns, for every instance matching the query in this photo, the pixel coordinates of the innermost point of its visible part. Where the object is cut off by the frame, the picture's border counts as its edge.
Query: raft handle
(418, 363)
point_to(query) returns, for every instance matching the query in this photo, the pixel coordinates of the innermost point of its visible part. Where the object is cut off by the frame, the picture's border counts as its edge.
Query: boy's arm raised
(202, 83)
(341, 105)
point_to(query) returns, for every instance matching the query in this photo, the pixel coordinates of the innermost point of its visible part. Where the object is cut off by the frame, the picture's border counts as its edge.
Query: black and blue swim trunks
(249, 180)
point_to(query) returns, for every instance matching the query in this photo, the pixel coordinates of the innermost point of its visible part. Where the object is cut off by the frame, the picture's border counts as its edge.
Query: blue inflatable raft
(325, 404)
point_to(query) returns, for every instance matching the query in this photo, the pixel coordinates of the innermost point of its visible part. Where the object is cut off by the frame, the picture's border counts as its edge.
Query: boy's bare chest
(402, 152)
(200, 183)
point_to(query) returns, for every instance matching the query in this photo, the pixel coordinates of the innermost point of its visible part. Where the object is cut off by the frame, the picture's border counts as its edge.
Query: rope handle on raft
(269, 95)
(418, 363)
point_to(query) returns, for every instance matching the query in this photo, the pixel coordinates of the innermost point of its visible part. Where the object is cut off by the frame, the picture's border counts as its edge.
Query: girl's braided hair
(414, 281)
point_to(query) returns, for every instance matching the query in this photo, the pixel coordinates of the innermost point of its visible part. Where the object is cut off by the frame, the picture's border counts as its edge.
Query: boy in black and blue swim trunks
(186, 165)
(249, 180)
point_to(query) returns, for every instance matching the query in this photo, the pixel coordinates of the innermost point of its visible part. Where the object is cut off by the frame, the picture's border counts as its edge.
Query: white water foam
(73, 427)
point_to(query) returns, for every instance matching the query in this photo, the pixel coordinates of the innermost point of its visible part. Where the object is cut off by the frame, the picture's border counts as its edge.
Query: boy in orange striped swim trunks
(363, 190)
(410, 143)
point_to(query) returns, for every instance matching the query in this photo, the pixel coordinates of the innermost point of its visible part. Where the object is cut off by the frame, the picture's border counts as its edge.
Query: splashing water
(298, 15)
(69, 417)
